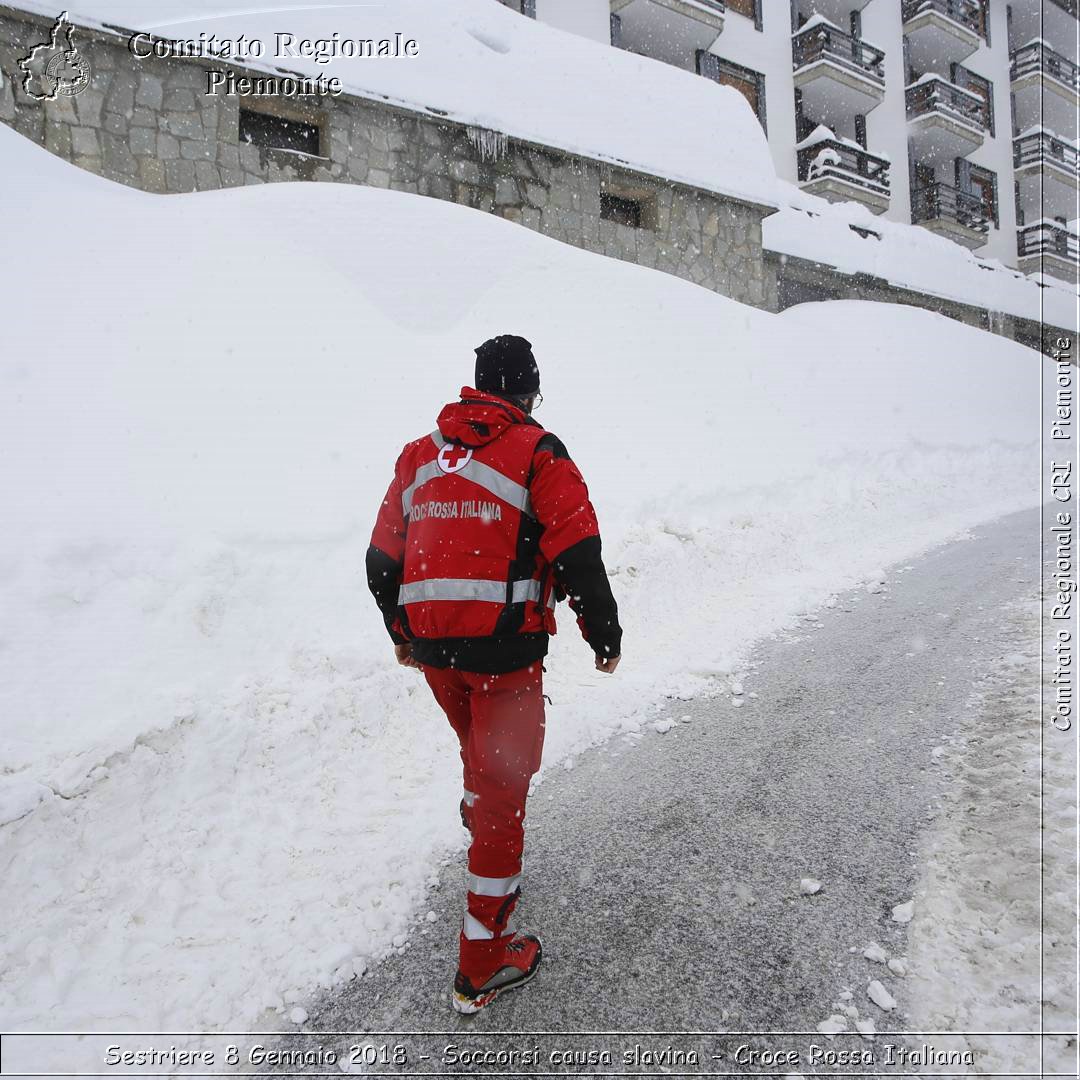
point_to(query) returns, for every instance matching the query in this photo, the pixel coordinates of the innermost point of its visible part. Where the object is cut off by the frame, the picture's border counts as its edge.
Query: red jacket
(485, 520)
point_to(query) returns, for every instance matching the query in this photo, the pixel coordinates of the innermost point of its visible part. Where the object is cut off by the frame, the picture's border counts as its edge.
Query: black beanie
(505, 365)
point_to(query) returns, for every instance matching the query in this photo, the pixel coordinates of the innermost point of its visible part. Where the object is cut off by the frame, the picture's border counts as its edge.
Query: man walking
(486, 522)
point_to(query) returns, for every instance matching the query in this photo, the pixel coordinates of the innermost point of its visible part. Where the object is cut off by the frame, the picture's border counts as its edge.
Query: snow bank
(911, 257)
(483, 64)
(241, 797)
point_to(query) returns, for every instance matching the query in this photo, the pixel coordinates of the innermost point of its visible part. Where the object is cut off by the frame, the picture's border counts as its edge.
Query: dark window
(750, 8)
(976, 84)
(616, 30)
(981, 182)
(749, 83)
(860, 129)
(621, 211)
(278, 133)
(803, 124)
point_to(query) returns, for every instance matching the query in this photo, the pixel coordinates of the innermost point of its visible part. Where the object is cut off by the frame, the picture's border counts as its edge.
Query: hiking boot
(521, 958)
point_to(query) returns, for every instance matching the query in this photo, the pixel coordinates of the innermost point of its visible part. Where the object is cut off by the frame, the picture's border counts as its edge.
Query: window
(979, 181)
(278, 133)
(749, 83)
(621, 211)
(976, 84)
(860, 129)
(803, 124)
(750, 8)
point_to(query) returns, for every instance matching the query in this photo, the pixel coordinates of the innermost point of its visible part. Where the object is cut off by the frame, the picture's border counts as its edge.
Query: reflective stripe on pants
(499, 722)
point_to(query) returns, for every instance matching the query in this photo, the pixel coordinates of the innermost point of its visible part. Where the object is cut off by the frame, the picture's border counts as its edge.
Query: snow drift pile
(219, 791)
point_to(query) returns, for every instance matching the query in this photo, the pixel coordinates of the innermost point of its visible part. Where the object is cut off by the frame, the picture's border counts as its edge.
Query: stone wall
(149, 123)
(797, 281)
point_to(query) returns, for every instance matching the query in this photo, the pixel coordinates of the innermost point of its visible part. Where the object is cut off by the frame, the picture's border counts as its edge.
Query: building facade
(956, 115)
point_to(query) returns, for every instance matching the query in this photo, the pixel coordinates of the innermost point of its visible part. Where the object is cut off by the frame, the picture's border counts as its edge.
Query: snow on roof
(910, 257)
(820, 134)
(824, 134)
(933, 76)
(482, 64)
(816, 20)
(1039, 129)
(1051, 222)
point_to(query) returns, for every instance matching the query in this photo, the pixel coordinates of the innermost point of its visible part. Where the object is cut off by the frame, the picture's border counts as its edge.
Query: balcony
(1047, 171)
(1046, 88)
(669, 30)
(940, 31)
(838, 74)
(1048, 247)
(842, 171)
(945, 210)
(944, 120)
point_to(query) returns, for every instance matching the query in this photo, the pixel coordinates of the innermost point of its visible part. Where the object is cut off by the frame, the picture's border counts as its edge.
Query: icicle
(491, 145)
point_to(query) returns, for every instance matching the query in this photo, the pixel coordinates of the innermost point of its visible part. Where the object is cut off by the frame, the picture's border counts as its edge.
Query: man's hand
(607, 666)
(404, 655)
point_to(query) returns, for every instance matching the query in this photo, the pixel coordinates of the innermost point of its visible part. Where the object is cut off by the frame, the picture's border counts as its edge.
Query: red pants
(499, 721)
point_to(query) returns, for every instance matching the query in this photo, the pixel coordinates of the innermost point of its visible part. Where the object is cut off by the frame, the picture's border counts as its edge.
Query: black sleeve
(383, 575)
(580, 573)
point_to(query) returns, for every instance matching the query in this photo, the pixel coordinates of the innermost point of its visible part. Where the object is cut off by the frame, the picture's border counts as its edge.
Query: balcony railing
(1048, 238)
(832, 157)
(938, 201)
(938, 95)
(965, 12)
(1037, 57)
(1042, 148)
(824, 42)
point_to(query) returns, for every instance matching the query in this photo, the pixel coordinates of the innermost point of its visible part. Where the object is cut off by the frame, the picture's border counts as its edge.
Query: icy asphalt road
(663, 877)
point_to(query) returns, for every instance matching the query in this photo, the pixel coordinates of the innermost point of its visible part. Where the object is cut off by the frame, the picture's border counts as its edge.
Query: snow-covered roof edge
(764, 201)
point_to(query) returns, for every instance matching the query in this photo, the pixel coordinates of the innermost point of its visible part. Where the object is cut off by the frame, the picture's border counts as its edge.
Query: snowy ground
(983, 937)
(752, 864)
(219, 793)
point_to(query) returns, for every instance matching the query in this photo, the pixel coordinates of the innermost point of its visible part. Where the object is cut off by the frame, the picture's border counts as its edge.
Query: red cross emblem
(453, 459)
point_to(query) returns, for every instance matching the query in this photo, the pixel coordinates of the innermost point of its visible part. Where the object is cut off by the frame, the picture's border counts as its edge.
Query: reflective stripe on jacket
(472, 537)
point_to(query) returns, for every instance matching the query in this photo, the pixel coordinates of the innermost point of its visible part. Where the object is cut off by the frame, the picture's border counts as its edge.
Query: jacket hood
(478, 418)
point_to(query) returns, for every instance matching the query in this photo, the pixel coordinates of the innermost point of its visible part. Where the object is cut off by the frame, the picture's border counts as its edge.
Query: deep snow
(226, 793)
